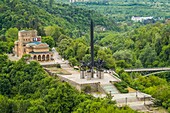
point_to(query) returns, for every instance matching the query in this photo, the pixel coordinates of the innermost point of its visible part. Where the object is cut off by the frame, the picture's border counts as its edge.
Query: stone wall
(94, 87)
(74, 84)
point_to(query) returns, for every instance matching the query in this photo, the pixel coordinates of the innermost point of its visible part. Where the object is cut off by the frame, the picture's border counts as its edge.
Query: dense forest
(123, 10)
(147, 46)
(27, 88)
(66, 27)
(33, 14)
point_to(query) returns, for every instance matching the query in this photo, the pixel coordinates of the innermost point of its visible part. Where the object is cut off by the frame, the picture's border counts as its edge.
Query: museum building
(29, 43)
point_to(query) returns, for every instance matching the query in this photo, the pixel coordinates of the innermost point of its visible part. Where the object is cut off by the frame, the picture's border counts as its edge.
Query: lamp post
(126, 100)
(136, 92)
(144, 99)
(110, 93)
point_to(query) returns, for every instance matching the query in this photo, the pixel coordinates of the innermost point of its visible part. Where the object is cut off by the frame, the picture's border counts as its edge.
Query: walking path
(110, 88)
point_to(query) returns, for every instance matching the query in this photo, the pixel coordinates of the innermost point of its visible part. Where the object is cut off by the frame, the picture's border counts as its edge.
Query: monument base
(101, 74)
(88, 75)
(82, 74)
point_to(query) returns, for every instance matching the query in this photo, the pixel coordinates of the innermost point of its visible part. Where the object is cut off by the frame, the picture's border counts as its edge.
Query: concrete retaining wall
(80, 87)
(95, 87)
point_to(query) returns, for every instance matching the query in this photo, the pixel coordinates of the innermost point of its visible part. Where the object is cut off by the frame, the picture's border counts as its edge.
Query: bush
(73, 61)
(58, 66)
(87, 89)
(121, 86)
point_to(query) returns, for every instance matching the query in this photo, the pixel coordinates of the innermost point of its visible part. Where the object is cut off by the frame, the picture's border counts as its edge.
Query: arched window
(43, 58)
(47, 57)
(39, 57)
(52, 57)
(35, 57)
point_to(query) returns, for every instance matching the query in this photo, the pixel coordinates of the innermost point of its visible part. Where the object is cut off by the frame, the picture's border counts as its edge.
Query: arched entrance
(39, 57)
(52, 57)
(47, 57)
(35, 57)
(43, 58)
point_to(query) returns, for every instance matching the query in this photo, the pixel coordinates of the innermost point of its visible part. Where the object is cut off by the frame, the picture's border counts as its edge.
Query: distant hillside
(163, 1)
(123, 10)
(37, 14)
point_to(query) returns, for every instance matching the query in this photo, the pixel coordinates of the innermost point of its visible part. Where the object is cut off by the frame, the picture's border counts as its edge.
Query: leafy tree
(147, 56)
(87, 58)
(126, 55)
(51, 2)
(73, 61)
(81, 51)
(138, 64)
(164, 55)
(5, 85)
(110, 63)
(3, 47)
(61, 37)
(4, 103)
(102, 54)
(63, 45)
(3, 38)
(69, 52)
(49, 40)
(12, 33)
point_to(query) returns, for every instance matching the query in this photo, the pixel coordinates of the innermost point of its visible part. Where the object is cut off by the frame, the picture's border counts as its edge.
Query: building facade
(140, 19)
(29, 43)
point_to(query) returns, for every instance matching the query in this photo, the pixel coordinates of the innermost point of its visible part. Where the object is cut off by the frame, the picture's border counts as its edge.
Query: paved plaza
(75, 74)
(76, 78)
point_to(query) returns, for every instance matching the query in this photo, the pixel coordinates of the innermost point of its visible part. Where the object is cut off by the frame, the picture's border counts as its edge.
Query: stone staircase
(109, 88)
(136, 103)
(139, 107)
(64, 65)
(129, 99)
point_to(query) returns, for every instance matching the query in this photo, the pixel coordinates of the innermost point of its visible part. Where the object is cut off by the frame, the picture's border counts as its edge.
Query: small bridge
(154, 73)
(148, 69)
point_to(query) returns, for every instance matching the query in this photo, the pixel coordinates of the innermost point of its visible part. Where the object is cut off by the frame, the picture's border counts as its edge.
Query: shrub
(58, 66)
(121, 86)
(87, 89)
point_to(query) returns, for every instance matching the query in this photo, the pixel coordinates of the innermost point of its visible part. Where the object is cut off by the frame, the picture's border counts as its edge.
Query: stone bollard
(97, 74)
(82, 74)
(88, 75)
(100, 74)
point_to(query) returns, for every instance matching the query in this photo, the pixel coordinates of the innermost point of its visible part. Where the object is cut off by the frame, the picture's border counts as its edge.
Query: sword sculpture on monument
(92, 48)
(98, 64)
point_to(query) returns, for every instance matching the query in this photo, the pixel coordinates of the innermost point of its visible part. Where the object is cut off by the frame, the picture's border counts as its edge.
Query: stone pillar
(82, 74)
(49, 57)
(36, 57)
(45, 59)
(41, 58)
(97, 74)
(100, 74)
(88, 75)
